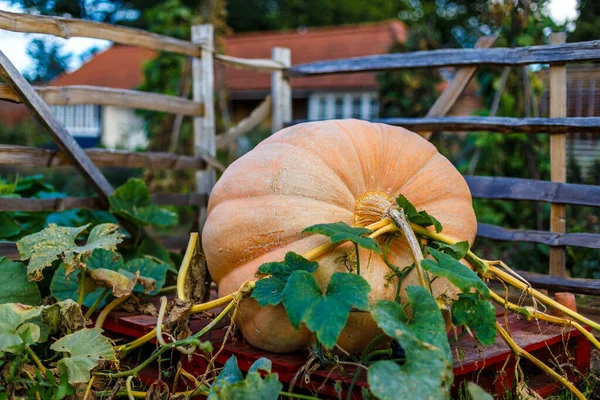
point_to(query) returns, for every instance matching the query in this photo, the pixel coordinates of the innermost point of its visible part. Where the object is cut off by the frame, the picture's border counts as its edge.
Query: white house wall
(122, 128)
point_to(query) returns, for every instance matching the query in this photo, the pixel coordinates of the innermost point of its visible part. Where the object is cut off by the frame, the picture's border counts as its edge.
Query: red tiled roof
(121, 66)
(118, 67)
(313, 44)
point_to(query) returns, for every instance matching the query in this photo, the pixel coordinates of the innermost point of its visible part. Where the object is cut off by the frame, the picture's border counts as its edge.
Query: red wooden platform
(491, 367)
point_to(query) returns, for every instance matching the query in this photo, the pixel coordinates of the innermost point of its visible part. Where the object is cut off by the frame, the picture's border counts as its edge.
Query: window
(82, 120)
(342, 105)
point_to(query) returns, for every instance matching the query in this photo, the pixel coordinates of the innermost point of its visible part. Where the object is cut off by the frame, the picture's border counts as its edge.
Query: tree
(50, 60)
(585, 26)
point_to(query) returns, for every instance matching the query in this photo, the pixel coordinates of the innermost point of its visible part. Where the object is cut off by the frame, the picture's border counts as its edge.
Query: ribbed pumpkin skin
(314, 173)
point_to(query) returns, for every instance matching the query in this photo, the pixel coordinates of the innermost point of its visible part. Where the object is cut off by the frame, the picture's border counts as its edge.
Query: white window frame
(367, 100)
(80, 120)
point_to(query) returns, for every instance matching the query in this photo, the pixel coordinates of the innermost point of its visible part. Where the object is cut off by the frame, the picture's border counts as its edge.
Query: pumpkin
(323, 172)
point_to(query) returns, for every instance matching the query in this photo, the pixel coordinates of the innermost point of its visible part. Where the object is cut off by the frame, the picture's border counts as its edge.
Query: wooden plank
(92, 203)
(558, 155)
(252, 64)
(71, 27)
(281, 92)
(587, 240)
(204, 128)
(63, 139)
(561, 284)
(546, 54)
(259, 114)
(485, 187)
(36, 157)
(463, 76)
(84, 94)
(493, 124)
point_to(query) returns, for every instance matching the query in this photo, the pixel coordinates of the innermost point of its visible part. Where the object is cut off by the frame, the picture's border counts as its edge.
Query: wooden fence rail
(83, 94)
(36, 157)
(495, 124)
(547, 54)
(530, 189)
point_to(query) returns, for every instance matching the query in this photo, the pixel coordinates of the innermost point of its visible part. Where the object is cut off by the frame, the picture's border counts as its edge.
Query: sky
(14, 44)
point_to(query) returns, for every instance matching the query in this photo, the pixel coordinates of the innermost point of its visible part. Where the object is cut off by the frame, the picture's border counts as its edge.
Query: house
(331, 96)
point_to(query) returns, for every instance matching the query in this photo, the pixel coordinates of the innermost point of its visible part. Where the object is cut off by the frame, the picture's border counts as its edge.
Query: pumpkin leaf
(341, 231)
(478, 314)
(132, 201)
(457, 250)
(325, 314)
(10, 227)
(231, 385)
(417, 217)
(120, 284)
(64, 287)
(56, 242)
(64, 317)
(476, 392)
(86, 349)
(149, 270)
(15, 332)
(460, 275)
(427, 372)
(15, 287)
(269, 290)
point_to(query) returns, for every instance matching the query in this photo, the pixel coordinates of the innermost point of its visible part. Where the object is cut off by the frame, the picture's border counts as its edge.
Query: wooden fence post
(204, 127)
(281, 91)
(558, 155)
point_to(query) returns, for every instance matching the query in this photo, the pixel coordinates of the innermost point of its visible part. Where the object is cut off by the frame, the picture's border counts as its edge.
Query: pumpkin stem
(401, 222)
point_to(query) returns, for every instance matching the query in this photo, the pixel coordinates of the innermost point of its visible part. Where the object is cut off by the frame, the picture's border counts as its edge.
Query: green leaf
(10, 227)
(460, 275)
(458, 250)
(478, 314)
(229, 374)
(132, 201)
(148, 269)
(63, 288)
(477, 393)
(86, 349)
(63, 389)
(268, 290)
(325, 314)
(427, 372)
(45, 247)
(14, 331)
(64, 317)
(341, 231)
(151, 247)
(15, 287)
(262, 364)
(417, 217)
(254, 387)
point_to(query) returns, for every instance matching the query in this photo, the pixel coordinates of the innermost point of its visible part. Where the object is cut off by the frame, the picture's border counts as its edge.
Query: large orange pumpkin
(322, 172)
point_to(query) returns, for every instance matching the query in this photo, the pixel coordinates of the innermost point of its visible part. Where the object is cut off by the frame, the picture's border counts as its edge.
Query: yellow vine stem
(111, 306)
(517, 283)
(530, 312)
(88, 388)
(36, 360)
(128, 387)
(159, 324)
(37, 393)
(324, 248)
(519, 352)
(185, 265)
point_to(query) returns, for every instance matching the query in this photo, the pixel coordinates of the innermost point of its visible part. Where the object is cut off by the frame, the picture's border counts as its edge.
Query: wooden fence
(200, 108)
(557, 192)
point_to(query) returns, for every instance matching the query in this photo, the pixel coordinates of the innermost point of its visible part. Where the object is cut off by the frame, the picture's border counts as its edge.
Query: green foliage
(427, 373)
(48, 389)
(324, 314)
(86, 348)
(457, 250)
(63, 287)
(459, 274)
(54, 243)
(341, 231)
(268, 291)
(15, 287)
(417, 217)
(16, 328)
(477, 393)
(231, 385)
(132, 201)
(478, 314)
